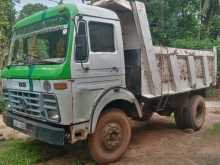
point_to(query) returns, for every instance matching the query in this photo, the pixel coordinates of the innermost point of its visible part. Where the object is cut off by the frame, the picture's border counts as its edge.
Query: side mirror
(81, 53)
(81, 48)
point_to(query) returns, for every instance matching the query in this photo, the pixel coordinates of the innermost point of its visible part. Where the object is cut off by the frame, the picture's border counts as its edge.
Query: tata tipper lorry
(79, 72)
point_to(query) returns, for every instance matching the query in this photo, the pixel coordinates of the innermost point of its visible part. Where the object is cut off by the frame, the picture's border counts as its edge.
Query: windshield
(42, 43)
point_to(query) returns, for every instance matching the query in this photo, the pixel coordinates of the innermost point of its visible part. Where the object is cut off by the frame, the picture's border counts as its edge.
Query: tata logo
(22, 84)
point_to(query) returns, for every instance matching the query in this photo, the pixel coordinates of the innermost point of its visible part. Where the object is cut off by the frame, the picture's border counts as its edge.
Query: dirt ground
(160, 143)
(8, 133)
(155, 143)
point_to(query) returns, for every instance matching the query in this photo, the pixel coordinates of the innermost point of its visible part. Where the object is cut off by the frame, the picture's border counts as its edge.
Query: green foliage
(171, 19)
(30, 9)
(7, 19)
(193, 43)
(210, 15)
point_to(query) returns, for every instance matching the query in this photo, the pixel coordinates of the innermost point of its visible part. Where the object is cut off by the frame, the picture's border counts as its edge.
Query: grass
(29, 152)
(25, 152)
(215, 129)
(210, 92)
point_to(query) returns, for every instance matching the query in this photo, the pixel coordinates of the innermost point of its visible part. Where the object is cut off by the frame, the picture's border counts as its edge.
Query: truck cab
(60, 59)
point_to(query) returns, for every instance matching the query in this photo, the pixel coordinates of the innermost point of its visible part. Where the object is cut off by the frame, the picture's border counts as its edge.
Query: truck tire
(179, 118)
(196, 113)
(111, 137)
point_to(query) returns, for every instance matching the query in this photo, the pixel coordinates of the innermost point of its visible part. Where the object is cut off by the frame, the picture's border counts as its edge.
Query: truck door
(104, 49)
(100, 65)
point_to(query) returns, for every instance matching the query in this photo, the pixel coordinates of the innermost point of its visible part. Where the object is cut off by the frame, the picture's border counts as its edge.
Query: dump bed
(155, 71)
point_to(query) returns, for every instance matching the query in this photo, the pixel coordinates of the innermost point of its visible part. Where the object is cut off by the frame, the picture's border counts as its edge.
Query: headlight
(8, 107)
(53, 115)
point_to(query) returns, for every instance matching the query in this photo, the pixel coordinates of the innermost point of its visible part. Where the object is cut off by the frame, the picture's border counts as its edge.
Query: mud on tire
(111, 137)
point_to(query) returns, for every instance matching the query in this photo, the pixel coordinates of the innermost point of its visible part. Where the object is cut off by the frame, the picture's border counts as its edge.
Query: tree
(7, 19)
(30, 9)
(210, 8)
(172, 19)
(211, 17)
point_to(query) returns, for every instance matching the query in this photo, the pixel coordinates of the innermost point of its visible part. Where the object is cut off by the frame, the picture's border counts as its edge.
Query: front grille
(31, 104)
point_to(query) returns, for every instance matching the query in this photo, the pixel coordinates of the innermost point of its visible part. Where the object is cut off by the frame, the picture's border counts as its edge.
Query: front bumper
(38, 130)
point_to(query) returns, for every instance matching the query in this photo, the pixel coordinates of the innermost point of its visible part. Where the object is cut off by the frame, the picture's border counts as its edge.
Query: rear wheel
(111, 138)
(179, 118)
(196, 113)
(192, 116)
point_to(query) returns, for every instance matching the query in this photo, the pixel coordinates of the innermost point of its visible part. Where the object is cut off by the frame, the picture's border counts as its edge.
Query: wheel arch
(115, 97)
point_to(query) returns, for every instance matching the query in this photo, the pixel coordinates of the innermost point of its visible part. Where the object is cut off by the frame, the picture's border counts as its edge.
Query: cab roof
(97, 12)
(70, 10)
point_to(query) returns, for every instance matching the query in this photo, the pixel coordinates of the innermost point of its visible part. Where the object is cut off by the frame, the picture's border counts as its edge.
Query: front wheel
(111, 138)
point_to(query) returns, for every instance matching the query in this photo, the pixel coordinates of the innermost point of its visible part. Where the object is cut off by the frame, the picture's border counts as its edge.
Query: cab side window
(101, 37)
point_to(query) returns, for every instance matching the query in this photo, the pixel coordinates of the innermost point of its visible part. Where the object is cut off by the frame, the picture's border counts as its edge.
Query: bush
(2, 104)
(191, 43)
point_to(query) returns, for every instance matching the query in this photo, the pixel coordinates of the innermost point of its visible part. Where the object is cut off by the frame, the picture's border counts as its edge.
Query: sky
(44, 2)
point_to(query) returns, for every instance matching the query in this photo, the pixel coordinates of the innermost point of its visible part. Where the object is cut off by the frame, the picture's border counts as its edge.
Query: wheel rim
(112, 136)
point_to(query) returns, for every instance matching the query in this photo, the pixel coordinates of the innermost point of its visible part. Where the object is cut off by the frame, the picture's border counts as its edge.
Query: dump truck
(78, 72)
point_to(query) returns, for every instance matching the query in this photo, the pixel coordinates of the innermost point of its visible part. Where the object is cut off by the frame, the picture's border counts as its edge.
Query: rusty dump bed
(155, 71)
